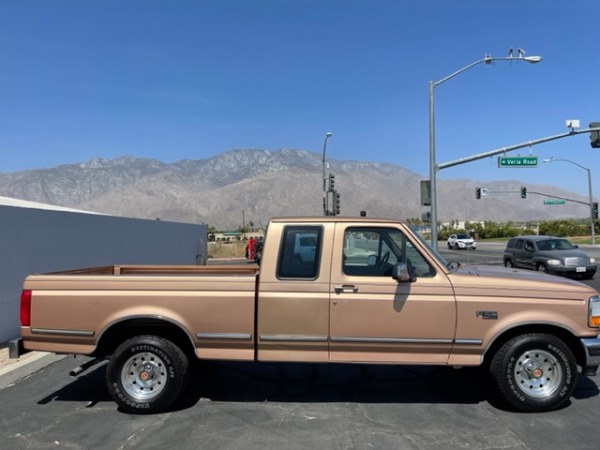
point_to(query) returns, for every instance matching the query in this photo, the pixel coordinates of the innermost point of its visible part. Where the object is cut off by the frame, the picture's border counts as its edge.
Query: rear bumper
(591, 347)
(15, 348)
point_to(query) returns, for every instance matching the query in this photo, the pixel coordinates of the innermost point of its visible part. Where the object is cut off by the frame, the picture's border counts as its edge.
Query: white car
(464, 241)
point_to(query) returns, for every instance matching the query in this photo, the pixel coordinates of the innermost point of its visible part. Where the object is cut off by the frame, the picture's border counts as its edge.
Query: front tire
(146, 374)
(541, 267)
(534, 372)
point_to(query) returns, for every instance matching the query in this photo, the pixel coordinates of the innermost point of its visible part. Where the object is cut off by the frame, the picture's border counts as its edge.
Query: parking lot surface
(292, 406)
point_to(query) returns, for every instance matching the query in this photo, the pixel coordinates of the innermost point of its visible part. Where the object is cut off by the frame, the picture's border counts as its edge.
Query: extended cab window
(374, 251)
(299, 252)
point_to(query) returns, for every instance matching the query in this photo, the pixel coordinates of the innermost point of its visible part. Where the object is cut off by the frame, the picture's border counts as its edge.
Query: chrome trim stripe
(292, 337)
(391, 340)
(468, 341)
(61, 332)
(233, 336)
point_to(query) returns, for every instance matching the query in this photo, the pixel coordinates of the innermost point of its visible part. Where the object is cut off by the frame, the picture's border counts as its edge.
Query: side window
(299, 252)
(374, 251)
(519, 244)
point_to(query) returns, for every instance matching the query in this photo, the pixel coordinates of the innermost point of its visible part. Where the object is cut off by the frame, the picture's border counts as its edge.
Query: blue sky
(173, 80)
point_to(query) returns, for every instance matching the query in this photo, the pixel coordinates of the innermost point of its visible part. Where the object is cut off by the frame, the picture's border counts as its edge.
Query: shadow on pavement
(313, 383)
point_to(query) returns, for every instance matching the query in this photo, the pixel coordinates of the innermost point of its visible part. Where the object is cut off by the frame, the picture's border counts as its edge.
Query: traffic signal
(335, 200)
(523, 192)
(331, 182)
(595, 135)
(477, 193)
(595, 207)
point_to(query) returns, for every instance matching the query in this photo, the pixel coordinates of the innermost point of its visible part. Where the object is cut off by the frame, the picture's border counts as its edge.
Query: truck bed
(246, 269)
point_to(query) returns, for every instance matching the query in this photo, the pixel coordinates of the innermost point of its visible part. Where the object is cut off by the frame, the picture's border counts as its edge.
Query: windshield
(555, 244)
(433, 251)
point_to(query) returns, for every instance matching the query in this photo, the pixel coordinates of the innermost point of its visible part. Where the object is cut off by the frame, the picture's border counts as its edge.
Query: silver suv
(548, 254)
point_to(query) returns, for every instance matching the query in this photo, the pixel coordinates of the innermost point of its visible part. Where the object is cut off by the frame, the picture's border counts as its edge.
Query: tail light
(26, 308)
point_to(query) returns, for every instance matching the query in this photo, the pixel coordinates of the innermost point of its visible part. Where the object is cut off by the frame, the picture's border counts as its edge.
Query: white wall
(39, 240)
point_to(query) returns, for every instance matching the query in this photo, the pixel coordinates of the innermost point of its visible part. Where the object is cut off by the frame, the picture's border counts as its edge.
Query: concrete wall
(39, 240)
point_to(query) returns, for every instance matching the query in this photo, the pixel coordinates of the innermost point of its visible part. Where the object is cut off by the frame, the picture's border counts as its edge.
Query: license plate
(580, 269)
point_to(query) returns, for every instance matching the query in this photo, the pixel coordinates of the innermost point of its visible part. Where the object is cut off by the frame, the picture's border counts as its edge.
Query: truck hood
(517, 282)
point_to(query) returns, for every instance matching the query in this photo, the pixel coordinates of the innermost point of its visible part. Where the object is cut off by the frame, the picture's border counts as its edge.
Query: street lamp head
(532, 59)
(547, 160)
(328, 134)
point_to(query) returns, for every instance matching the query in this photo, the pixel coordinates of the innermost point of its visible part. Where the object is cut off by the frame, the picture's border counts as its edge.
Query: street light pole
(433, 168)
(325, 205)
(591, 197)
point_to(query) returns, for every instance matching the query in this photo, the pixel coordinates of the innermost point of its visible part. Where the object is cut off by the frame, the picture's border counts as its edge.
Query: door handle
(346, 288)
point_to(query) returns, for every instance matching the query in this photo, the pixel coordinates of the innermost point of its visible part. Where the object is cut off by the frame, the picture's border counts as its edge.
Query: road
(491, 253)
(294, 406)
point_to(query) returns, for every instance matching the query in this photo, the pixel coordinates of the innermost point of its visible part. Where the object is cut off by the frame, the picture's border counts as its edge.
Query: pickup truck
(373, 291)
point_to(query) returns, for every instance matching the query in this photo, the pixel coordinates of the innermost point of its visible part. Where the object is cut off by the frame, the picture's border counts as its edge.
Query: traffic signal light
(331, 182)
(595, 135)
(523, 192)
(477, 193)
(335, 200)
(595, 207)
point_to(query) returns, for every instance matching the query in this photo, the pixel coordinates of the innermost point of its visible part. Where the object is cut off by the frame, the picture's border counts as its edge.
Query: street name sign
(517, 161)
(554, 201)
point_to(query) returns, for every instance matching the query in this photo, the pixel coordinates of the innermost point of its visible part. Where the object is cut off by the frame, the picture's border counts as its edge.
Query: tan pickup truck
(345, 290)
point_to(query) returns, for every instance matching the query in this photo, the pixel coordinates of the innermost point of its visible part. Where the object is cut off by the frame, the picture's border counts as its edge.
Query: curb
(10, 375)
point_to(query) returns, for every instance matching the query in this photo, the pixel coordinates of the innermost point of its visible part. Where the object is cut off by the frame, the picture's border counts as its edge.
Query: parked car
(456, 241)
(549, 254)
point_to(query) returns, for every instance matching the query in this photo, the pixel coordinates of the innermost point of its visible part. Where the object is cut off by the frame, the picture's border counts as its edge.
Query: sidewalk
(12, 370)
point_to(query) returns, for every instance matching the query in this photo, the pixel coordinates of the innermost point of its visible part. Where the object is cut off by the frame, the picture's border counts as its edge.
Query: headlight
(594, 311)
(592, 260)
(554, 262)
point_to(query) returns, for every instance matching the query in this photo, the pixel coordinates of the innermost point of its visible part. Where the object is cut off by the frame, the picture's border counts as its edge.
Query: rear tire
(534, 372)
(508, 263)
(146, 374)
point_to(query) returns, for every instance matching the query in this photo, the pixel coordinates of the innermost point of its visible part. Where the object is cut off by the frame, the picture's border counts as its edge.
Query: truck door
(374, 318)
(293, 293)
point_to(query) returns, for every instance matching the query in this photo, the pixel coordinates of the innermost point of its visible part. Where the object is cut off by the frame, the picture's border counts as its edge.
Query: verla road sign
(517, 161)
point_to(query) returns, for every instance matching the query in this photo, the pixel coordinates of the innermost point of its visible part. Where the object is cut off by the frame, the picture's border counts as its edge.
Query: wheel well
(564, 335)
(120, 332)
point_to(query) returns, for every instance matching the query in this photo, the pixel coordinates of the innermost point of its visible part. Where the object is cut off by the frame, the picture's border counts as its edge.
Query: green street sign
(517, 161)
(554, 201)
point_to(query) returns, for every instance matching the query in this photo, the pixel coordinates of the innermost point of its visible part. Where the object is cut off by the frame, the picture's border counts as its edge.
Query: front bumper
(591, 348)
(582, 271)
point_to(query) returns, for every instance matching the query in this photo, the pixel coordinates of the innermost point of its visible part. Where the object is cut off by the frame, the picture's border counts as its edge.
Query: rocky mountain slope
(252, 185)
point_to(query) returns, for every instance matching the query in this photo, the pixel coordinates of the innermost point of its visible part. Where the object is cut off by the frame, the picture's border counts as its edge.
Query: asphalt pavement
(292, 406)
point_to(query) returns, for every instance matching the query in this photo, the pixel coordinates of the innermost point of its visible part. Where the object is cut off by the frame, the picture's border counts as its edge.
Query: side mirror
(401, 274)
(453, 265)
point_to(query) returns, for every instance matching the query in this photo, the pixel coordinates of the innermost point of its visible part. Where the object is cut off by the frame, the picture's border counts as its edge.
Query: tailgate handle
(347, 288)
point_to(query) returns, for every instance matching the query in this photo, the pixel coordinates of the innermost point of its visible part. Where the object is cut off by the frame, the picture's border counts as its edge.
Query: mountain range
(242, 186)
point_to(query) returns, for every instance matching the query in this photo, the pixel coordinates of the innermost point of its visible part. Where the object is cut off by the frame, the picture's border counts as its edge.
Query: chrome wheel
(144, 376)
(534, 372)
(538, 373)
